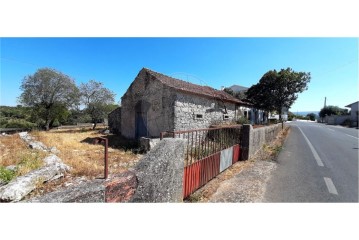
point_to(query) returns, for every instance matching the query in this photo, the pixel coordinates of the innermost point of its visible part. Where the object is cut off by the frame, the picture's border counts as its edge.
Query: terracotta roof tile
(192, 88)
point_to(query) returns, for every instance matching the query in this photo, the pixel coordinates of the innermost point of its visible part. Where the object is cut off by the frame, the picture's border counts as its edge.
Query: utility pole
(325, 101)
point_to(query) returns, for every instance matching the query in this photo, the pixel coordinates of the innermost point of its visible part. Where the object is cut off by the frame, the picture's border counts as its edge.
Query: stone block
(121, 188)
(160, 173)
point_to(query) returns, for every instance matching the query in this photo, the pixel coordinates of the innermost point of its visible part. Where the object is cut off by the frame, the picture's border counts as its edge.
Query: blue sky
(332, 62)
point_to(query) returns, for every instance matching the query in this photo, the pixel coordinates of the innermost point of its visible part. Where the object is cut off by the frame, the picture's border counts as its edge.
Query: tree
(332, 110)
(48, 92)
(278, 90)
(311, 116)
(97, 99)
(240, 95)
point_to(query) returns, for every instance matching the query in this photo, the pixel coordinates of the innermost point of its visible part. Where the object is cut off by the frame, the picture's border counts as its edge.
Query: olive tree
(49, 93)
(278, 90)
(97, 99)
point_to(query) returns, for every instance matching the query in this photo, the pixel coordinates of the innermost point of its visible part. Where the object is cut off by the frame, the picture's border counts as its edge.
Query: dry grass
(14, 151)
(77, 149)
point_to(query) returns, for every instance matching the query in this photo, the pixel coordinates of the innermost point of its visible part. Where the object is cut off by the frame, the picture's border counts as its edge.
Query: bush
(347, 123)
(17, 123)
(243, 120)
(6, 175)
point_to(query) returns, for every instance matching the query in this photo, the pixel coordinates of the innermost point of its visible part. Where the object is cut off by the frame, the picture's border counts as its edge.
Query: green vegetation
(97, 99)
(332, 110)
(243, 120)
(278, 90)
(6, 175)
(29, 162)
(51, 99)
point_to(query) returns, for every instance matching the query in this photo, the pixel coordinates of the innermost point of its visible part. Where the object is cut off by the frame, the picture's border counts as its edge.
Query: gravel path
(246, 186)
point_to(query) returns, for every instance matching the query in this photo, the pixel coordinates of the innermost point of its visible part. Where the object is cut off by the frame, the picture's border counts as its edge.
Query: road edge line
(315, 154)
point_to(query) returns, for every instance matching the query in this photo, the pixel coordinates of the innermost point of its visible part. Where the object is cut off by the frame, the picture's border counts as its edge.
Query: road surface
(318, 163)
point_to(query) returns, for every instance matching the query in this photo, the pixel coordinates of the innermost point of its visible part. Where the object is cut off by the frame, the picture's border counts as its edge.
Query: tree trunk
(94, 125)
(280, 118)
(47, 125)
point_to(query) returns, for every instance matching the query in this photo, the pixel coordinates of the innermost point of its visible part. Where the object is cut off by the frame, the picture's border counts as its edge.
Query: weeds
(6, 175)
(29, 162)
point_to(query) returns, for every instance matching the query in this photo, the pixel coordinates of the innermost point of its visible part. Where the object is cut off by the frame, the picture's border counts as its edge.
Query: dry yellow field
(76, 149)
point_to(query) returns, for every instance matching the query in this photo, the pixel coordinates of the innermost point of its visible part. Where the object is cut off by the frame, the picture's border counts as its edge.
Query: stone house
(354, 113)
(114, 120)
(255, 116)
(155, 103)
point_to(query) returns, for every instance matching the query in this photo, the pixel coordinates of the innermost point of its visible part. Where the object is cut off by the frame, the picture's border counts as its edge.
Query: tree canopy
(240, 95)
(332, 110)
(278, 90)
(97, 99)
(49, 93)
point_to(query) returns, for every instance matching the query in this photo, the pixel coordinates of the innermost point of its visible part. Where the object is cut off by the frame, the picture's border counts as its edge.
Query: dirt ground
(77, 149)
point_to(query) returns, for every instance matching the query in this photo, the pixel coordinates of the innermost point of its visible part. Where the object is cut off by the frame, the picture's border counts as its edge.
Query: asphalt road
(318, 163)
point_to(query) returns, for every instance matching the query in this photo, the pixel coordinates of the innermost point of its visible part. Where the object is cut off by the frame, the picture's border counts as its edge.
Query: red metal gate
(209, 151)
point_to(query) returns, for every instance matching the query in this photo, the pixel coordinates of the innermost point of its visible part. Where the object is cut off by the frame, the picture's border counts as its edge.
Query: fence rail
(209, 152)
(202, 143)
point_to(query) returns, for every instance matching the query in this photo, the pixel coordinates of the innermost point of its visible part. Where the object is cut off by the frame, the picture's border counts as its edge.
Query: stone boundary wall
(253, 139)
(158, 177)
(336, 120)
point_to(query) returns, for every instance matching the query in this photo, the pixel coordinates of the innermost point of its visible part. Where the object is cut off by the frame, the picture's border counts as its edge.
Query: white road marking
(330, 129)
(351, 136)
(330, 186)
(315, 154)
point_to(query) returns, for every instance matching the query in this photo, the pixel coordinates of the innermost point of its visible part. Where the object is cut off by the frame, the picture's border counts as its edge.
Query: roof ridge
(187, 86)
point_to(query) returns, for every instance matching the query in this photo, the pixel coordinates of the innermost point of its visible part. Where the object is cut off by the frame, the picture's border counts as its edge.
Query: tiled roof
(350, 105)
(193, 88)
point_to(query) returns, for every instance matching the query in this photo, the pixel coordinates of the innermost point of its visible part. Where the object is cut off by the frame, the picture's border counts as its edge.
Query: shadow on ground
(116, 142)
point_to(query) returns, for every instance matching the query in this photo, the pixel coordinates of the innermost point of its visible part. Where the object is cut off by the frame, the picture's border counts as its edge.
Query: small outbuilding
(354, 113)
(155, 103)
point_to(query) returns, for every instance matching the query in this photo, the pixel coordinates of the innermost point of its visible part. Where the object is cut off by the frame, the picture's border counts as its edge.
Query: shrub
(17, 123)
(29, 162)
(347, 123)
(243, 120)
(6, 175)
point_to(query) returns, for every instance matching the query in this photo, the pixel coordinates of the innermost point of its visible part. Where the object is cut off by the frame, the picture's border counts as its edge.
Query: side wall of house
(354, 112)
(158, 101)
(188, 109)
(114, 121)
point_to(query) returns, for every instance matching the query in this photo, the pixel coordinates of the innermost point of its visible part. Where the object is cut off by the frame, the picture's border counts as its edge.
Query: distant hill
(305, 113)
(237, 88)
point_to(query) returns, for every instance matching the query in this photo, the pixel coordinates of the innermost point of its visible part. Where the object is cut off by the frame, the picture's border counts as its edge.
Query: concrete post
(245, 141)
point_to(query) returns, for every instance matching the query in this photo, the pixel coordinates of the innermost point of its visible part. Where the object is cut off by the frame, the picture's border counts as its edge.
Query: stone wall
(114, 121)
(336, 120)
(160, 173)
(253, 139)
(154, 100)
(187, 106)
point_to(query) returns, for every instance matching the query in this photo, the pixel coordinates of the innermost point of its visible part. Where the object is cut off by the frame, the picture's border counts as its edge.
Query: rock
(11, 168)
(87, 192)
(146, 144)
(106, 132)
(37, 145)
(160, 173)
(54, 150)
(18, 188)
(2, 182)
(121, 188)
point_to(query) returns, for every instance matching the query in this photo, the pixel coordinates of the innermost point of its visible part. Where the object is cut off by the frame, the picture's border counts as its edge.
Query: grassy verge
(15, 152)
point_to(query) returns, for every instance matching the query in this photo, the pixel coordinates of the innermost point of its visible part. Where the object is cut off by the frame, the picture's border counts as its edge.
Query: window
(198, 116)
